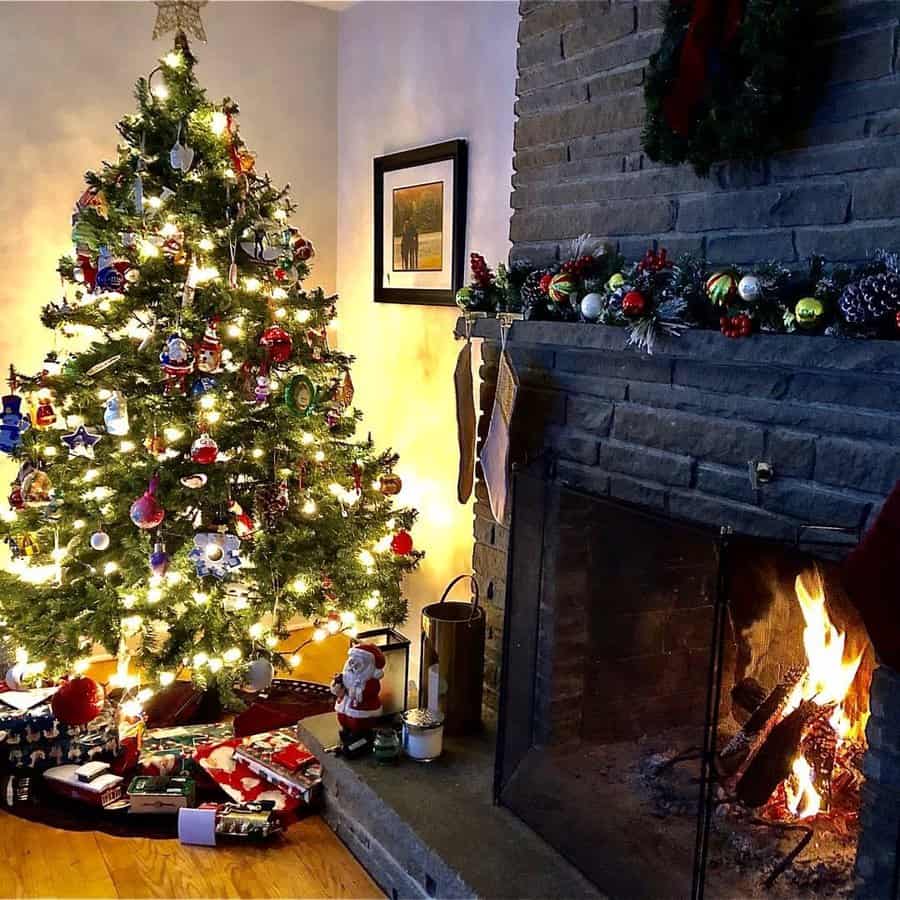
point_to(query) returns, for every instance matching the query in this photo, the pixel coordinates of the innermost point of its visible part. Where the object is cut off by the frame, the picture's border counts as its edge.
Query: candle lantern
(395, 648)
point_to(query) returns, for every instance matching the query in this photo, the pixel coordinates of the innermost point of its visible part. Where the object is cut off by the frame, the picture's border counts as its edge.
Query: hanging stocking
(465, 420)
(495, 452)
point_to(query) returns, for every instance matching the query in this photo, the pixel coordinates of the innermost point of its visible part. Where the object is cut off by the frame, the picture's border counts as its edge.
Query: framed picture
(420, 224)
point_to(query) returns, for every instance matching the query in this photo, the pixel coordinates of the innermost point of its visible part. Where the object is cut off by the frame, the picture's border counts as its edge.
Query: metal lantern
(395, 648)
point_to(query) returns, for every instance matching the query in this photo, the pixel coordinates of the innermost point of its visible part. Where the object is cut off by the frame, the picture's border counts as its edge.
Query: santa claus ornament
(358, 689)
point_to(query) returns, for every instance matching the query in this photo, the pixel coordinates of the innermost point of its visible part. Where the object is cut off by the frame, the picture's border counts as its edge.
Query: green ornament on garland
(562, 288)
(615, 281)
(721, 287)
(809, 312)
(465, 297)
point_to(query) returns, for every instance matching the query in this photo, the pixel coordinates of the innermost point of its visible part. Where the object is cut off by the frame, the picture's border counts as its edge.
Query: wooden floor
(306, 861)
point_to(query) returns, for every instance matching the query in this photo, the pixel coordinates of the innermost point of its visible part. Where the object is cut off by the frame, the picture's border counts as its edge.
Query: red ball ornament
(147, 512)
(633, 304)
(897, 320)
(402, 543)
(204, 450)
(78, 701)
(278, 342)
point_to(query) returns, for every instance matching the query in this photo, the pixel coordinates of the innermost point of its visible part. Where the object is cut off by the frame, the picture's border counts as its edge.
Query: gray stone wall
(580, 168)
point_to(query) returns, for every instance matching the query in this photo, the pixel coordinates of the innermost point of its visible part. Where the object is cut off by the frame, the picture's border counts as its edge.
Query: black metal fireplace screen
(677, 717)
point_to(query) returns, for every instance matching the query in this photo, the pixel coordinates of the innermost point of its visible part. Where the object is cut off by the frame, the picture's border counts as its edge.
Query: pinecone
(532, 295)
(871, 300)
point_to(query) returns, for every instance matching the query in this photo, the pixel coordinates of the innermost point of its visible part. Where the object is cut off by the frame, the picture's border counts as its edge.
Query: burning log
(748, 694)
(740, 750)
(772, 762)
(819, 748)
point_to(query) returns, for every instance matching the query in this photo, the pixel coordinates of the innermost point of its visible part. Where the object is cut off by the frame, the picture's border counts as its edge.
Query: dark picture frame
(456, 152)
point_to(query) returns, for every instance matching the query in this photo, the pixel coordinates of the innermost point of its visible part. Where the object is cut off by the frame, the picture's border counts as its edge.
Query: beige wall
(67, 72)
(410, 74)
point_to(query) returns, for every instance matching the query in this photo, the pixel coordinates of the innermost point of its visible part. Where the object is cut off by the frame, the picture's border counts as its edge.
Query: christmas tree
(190, 482)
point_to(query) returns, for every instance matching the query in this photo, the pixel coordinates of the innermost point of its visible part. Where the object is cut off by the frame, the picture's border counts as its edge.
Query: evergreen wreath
(732, 79)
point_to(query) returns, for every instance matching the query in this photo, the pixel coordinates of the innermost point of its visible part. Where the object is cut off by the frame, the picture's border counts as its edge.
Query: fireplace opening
(683, 712)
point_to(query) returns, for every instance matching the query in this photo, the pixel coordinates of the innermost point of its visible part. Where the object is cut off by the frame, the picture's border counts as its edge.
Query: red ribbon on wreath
(713, 25)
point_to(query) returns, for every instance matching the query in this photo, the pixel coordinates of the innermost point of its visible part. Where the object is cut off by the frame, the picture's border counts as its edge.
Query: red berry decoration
(737, 326)
(481, 272)
(78, 701)
(544, 283)
(577, 267)
(655, 261)
(634, 303)
(402, 543)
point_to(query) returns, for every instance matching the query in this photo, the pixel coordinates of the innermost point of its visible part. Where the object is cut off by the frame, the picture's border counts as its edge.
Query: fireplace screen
(682, 712)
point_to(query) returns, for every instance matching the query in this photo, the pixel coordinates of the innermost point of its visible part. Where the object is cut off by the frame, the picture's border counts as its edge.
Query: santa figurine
(357, 688)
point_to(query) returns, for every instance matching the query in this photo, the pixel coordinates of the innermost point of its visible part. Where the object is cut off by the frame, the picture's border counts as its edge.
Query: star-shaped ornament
(179, 16)
(81, 442)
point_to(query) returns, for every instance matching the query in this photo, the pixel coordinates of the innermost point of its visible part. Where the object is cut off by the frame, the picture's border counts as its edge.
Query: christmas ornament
(209, 349)
(194, 482)
(159, 559)
(15, 497)
(13, 424)
(103, 365)
(634, 304)
(147, 512)
(204, 450)
(51, 365)
(402, 543)
(562, 288)
(181, 156)
(390, 485)
(15, 677)
(179, 16)
(545, 282)
(720, 287)
(737, 326)
(45, 415)
(317, 341)
(278, 344)
(263, 389)
(260, 674)
(23, 545)
(465, 298)
(264, 248)
(300, 395)
(872, 300)
(36, 488)
(347, 391)
(177, 361)
(616, 280)
(655, 261)
(271, 502)
(243, 524)
(115, 416)
(77, 701)
(215, 554)
(81, 442)
(100, 540)
(357, 690)
(750, 289)
(303, 250)
(111, 273)
(809, 311)
(591, 305)
(156, 446)
(203, 385)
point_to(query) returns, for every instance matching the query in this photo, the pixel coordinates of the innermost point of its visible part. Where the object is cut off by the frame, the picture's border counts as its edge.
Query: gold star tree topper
(180, 16)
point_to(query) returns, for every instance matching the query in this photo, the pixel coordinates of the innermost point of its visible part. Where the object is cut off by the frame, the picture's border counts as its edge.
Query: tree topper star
(179, 16)
(81, 442)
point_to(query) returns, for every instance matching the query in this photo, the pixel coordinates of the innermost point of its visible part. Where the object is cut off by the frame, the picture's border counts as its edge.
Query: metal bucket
(452, 661)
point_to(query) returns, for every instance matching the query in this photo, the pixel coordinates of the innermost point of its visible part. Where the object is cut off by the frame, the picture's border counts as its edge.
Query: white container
(423, 734)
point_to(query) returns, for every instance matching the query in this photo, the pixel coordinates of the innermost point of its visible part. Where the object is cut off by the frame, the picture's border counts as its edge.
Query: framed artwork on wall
(420, 224)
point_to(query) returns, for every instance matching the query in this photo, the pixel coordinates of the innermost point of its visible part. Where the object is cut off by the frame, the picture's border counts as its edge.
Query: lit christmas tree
(190, 483)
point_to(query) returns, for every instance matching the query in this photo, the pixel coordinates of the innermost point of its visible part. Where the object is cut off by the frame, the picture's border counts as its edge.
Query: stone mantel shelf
(786, 350)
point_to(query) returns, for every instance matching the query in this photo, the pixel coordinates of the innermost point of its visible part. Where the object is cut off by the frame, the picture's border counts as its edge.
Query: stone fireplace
(624, 610)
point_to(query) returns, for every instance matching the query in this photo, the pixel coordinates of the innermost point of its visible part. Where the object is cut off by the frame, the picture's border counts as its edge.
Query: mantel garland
(657, 296)
(731, 80)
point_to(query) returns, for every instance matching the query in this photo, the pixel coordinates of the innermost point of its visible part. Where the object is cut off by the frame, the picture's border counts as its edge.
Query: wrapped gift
(103, 789)
(161, 793)
(166, 751)
(284, 761)
(35, 739)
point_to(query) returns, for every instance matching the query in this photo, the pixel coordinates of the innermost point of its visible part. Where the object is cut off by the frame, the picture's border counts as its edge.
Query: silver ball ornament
(750, 288)
(100, 540)
(591, 305)
(15, 677)
(260, 674)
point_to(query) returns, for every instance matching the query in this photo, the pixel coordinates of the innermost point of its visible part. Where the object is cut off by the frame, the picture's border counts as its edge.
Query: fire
(828, 679)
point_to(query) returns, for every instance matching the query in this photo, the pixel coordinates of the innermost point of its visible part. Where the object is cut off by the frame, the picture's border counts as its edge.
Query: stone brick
(824, 203)
(813, 504)
(884, 695)
(883, 767)
(601, 145)
(748, 248)
(525, 357)
(554, 97)
(623, 216)
(864, 465)
(615, 82)
(543, 50)
(702, 437)
(762, 381)
(743, 518)
(791, 452)
(849, 243)
(876, 194)
(536, 254)
(724, 481)
(632, 366)
(598, 30)
(490, 562)
(656, 465)
(555, 16)
(847, 389)
(575, 445)
(583, 478)
(855, 99)
(592, 386)
(634, 490)
(835, 160)
(732, 176)
(525, 160)
(577, 121)
(861, 57)
(884, 124)
(589, 414)
(650, 15)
